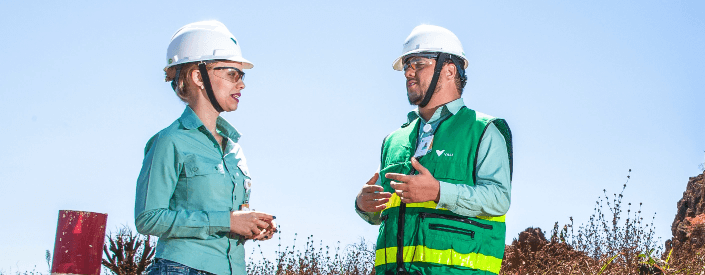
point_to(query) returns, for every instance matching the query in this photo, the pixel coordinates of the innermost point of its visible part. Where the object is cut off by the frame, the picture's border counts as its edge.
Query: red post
(78, 248)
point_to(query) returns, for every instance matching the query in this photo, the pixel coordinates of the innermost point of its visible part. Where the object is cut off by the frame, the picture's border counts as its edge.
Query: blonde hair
(184, 80)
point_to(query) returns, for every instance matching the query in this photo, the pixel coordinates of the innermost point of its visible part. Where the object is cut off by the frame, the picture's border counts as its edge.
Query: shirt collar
(452, 107)
(190, 120)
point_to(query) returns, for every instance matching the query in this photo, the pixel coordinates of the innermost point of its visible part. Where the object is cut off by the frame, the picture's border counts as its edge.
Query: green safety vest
(438, 241)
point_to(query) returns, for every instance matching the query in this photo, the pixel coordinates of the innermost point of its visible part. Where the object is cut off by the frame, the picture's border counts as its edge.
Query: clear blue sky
(590, 90)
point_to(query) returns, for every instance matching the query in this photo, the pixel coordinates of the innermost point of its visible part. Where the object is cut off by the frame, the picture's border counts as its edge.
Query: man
(444, 182)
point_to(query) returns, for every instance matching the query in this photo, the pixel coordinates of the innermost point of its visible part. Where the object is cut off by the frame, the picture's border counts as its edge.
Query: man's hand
(372, 198)
(250, 224)
(422, 187)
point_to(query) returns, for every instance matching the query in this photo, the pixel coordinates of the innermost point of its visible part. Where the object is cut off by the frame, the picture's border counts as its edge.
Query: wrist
(438, 192)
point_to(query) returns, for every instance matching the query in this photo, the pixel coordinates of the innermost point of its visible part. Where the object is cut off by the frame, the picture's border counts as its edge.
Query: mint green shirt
(186, 190)
(491, 195)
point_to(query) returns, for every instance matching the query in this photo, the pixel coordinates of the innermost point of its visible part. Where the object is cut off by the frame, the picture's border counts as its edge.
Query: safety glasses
(419, 61)
(231, 74)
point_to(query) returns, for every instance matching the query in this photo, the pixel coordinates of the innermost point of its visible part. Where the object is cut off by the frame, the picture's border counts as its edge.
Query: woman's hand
(268, 232)
(250, 224)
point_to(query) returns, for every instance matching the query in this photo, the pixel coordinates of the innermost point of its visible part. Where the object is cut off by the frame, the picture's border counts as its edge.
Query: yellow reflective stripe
(494, 219)
(424, 254)
(395, 201)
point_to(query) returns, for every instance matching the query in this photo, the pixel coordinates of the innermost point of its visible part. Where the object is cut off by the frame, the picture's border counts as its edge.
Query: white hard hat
(429, 38)
(202, 41)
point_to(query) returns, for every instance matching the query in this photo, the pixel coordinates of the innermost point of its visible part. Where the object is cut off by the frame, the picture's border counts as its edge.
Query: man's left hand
(421, 187)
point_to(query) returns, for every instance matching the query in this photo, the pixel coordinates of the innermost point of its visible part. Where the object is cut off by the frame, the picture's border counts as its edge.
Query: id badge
(424, 146)
(247, 184)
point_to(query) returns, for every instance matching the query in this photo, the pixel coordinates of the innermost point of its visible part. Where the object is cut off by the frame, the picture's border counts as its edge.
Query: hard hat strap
(442, 57)
(207, 86)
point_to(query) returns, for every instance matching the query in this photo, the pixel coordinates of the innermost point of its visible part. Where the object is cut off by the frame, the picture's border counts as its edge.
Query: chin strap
(207, 86)
(440, 60)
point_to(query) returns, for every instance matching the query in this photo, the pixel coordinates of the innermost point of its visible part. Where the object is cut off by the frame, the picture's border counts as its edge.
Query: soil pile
(532, 252)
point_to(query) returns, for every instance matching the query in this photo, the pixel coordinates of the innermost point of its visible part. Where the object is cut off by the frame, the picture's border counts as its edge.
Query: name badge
(424, 146)
(248, 184)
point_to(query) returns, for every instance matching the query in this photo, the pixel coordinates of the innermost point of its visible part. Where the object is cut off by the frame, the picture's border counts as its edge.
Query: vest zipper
(452, 229)
(454, 218)
(400, 238)
(400, 232)
(401, 219)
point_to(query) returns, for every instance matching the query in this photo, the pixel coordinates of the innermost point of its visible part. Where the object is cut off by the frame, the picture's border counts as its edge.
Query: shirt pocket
(205, 184)
(242, 165)
(195, 166)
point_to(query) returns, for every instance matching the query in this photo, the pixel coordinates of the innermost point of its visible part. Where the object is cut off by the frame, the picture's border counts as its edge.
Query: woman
(193, 189)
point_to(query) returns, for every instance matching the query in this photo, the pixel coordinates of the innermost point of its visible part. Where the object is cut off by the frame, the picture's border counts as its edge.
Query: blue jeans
(166, 267)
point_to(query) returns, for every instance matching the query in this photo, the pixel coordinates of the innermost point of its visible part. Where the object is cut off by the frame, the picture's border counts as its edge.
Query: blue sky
(590, 90)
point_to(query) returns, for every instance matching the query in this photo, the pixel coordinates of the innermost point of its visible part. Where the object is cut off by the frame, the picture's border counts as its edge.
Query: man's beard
(414, 97)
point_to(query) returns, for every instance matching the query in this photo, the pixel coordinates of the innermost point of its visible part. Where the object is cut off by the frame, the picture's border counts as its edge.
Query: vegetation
(611, 242)
(353, 259)
(605, 245)
(127, 252)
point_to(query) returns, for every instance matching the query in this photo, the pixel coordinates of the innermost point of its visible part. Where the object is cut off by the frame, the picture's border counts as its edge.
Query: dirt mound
(688, 226)
(532, 252)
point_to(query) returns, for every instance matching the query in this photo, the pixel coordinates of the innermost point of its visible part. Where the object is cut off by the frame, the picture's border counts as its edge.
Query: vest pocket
(455, 218)
(452, 229)
(441, 232)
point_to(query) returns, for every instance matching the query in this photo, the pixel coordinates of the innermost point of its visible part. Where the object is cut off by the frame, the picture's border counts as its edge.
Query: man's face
(418, 72)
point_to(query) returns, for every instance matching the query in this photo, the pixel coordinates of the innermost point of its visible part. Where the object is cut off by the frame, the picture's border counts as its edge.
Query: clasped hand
(252, 225)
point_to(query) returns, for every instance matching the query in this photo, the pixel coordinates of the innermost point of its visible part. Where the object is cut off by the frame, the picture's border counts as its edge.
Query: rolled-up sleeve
(491, 195)
(155, 188)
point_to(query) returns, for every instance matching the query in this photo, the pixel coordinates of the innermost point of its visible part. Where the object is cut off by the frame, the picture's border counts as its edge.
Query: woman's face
(227, 81)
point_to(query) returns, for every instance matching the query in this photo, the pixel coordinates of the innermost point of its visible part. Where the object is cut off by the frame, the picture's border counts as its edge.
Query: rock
(688, 226)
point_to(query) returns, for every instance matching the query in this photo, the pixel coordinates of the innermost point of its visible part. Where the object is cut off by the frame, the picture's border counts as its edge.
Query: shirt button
(194, 169)
(427, 128)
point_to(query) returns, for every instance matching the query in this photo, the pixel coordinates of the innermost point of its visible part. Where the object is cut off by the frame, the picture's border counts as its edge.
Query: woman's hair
(182, 90)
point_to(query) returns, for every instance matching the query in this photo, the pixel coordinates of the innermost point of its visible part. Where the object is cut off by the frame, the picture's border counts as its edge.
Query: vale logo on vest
(442, 152)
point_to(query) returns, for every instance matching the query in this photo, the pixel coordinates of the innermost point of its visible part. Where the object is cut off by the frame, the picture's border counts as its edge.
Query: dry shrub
(352, 260)
(129, 253)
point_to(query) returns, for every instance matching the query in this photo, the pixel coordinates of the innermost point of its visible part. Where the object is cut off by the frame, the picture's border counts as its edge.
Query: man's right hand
(372, 198)
(249, 224)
